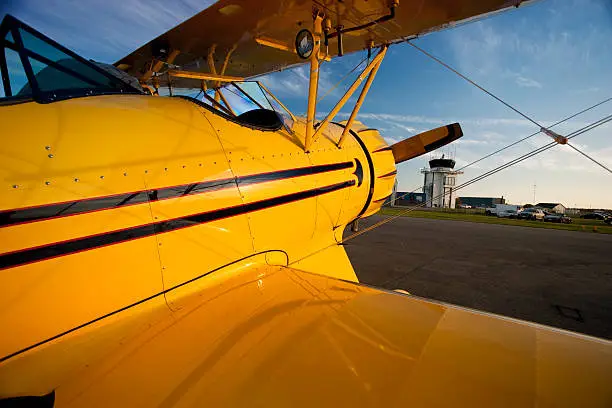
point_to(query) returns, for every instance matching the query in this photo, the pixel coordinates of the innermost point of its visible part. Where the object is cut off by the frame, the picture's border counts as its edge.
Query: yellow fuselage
(111, 200)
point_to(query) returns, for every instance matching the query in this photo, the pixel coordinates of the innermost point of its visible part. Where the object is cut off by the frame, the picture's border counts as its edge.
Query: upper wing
(231, 27)
(275, 336)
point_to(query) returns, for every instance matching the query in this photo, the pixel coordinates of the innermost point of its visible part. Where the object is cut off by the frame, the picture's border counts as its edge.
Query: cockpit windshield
(246, 102)
(34, 67)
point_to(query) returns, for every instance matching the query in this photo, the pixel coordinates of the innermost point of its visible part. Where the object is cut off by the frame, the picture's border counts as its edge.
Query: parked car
(554, 217)
(594, 216)
(499, 208)
(531, 214)
(608, 220)
(507, 214)
(465, 206)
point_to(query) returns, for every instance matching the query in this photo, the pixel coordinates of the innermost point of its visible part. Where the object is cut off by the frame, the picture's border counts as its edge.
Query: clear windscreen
(34, 66)
(237, 100)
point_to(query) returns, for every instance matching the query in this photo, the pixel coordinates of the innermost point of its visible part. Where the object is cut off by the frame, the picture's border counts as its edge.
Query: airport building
(552, 207)
(439, 182)
(404, 198)
(480, 202)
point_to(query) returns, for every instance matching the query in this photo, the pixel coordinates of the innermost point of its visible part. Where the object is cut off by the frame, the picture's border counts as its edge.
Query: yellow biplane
(187, 250)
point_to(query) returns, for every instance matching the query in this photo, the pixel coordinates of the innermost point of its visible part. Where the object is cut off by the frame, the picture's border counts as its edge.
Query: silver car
(531, 214)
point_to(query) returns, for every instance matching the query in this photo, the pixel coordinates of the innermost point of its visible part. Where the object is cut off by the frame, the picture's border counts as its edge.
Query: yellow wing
(251, 38)
(276, 336)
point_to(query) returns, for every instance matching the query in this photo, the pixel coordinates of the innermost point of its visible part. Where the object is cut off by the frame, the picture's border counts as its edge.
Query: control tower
(439, 183)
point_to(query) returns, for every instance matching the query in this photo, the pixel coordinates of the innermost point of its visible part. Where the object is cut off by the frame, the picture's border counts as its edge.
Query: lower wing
(276, 336)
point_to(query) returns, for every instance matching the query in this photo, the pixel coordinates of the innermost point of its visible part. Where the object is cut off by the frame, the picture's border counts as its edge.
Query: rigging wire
(439, 61)
(536, 133)
(539, 150)
(520, 140)
(542, 128)
(337, 84)
(499, 99)
(519, 159)
(589, 157)
(533, 153)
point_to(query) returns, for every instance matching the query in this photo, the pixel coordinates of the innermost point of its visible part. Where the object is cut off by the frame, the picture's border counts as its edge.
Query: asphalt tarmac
(553, 277)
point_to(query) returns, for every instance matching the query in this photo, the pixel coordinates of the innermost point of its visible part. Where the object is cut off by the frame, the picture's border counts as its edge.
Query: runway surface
(553, 277)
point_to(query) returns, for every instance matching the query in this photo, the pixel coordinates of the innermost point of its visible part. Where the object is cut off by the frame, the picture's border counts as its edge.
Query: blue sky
(550, 59)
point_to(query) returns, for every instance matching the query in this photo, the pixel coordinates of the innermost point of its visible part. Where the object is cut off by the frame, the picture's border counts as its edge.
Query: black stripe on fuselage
(54, 250)
(290, 173)
(64, 209)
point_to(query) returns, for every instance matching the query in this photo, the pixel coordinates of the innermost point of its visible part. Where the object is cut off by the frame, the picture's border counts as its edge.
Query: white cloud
(404, 127)
(527, 82)
(294, 82)
(588, 90)
(392, 140)
(477, 48)
(436, 121)
(471, 142)
(291, 82)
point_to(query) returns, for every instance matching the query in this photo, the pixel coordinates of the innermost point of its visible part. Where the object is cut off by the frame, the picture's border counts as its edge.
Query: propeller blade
(425, 142)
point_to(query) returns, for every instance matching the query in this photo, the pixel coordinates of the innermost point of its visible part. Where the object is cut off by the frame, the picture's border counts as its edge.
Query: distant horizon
(400, 192)
(550, 59)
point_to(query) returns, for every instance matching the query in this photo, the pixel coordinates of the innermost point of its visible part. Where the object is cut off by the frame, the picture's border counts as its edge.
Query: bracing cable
(519, 159)
(522, 139)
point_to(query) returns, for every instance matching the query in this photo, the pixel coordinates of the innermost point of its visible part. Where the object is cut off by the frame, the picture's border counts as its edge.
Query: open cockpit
(248, 103)
(35, 68)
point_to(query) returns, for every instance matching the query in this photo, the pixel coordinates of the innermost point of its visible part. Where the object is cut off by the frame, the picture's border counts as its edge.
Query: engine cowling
(381, 165)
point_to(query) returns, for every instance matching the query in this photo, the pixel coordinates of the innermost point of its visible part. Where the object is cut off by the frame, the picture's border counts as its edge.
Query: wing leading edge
(251, 38)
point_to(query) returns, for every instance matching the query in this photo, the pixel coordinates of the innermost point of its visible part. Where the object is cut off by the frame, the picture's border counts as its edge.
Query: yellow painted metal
(164, 142)
(198, 315)
(271, 42)
(138, 143)
(150, 89)
(330, 116)
(280, 45)
(251, 151)
(203, 76)
(158, 65)
(275, 336)
(336, 260)
(337, 208)
(226, 60)
(313, 82)
(210, 59)
(384, 165)
(281, 20)
(362, 95)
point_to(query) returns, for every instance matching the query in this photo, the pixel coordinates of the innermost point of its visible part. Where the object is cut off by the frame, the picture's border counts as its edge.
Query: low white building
(552, 207)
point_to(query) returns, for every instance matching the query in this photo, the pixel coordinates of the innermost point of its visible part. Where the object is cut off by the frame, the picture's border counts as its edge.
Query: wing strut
(313, 84)
(362, 95)
(370, 69)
